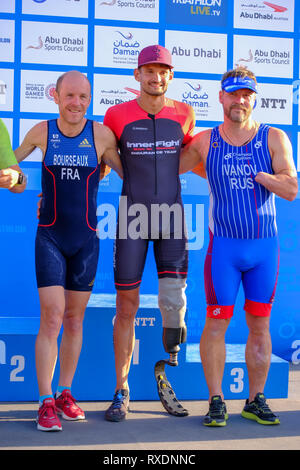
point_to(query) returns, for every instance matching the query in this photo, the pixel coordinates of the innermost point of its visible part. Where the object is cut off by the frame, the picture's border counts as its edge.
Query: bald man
(67, 246)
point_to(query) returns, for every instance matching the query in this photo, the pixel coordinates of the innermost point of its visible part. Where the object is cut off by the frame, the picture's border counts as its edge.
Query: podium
(95, 376)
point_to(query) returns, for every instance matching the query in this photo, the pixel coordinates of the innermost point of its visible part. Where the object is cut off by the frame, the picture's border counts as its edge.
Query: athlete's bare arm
(106, 146)
(284, 180)
(36, 137)
(193, 155)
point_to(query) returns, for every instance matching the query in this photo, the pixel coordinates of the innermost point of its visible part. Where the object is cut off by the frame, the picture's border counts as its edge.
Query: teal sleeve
(7, 156)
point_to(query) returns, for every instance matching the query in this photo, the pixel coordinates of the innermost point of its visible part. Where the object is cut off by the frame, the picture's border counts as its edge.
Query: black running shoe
(259, 411)
(217, 413)
(119, 407)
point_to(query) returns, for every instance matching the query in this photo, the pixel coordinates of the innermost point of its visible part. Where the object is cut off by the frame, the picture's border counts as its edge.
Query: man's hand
(8, 178)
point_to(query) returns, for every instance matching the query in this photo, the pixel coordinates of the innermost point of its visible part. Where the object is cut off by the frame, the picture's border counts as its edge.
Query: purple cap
(155, 54)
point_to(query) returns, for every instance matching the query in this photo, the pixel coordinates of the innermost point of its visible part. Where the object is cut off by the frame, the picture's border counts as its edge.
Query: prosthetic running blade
(165, 391)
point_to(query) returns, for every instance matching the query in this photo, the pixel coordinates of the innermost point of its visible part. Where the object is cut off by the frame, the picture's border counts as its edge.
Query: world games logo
(49, 91)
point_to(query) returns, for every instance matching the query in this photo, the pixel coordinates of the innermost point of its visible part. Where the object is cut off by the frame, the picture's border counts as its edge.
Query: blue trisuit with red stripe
(67, 246)
(243, 245)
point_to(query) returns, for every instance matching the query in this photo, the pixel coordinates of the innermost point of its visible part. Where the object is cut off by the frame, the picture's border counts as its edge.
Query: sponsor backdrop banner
(41, 39)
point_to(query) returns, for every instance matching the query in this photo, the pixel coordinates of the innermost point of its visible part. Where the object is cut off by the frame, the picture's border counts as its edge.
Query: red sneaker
(47, 417)
(67, 408)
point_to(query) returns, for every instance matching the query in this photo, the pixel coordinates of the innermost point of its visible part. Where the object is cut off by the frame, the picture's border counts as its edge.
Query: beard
(241, 116)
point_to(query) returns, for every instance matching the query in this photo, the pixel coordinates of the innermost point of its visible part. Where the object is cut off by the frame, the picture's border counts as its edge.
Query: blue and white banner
(41, 39)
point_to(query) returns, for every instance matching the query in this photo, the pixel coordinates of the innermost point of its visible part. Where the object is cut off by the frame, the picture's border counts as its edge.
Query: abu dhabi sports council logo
(55, 43)
(38, 45)
(266, 56)
(136, 10)
(132, 3)
(244, 60)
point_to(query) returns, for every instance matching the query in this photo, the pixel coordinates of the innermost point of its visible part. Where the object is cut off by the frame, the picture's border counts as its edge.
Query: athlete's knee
(51, 320)
(172, 302)
(258, 326)
(215, 328)
(72, 322)
(127, 304)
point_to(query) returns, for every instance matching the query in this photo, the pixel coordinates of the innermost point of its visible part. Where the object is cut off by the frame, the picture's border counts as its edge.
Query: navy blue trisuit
(149, 149)
(67, 246)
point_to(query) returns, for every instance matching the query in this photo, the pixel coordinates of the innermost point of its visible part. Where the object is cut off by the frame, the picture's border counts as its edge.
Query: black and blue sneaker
(259, 411)
(217, 413)
(119, 407)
